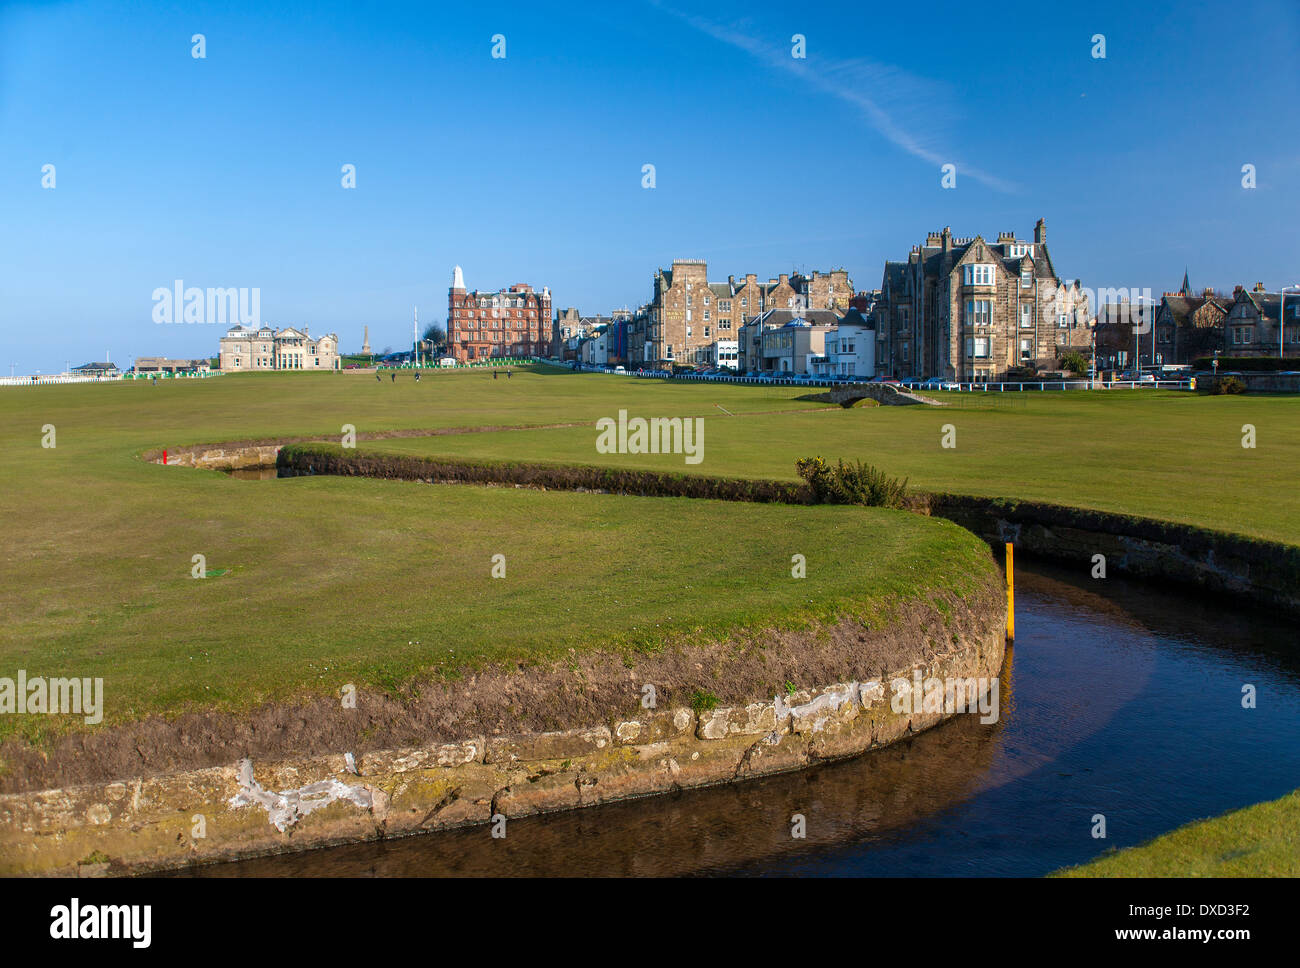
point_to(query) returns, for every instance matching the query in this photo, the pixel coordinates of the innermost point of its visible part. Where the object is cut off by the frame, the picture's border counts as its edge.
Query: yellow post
(1011, 594)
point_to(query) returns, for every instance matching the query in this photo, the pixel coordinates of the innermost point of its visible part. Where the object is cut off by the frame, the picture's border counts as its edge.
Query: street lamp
(1137, 353)
(1092, 365)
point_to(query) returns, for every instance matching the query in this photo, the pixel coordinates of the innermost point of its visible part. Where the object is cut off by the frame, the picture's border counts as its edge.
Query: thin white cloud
(848, 81)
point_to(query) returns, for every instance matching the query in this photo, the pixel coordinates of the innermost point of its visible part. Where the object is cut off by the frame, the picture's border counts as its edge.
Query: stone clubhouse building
(246, 348)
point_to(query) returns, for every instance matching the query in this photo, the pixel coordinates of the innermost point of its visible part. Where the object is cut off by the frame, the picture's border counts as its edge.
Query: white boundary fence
(1019, 387)
(47, 379)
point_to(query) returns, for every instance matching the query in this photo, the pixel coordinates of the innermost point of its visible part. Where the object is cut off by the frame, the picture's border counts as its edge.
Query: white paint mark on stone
(287, 807)
(830, 701)
(870, 693)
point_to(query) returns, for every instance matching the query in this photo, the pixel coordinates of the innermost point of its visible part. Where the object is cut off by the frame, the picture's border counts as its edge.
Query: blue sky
(225, 171)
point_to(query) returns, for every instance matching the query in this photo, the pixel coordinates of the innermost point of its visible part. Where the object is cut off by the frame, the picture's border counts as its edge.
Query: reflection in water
(1127, 705)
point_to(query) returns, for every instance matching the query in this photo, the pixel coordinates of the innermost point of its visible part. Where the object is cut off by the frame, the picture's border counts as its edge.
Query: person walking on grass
(379, 377)
(417, 376)
(393, 376)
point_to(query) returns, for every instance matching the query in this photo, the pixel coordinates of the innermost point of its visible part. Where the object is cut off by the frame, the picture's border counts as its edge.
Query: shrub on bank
(852, 482)
(1076, 363)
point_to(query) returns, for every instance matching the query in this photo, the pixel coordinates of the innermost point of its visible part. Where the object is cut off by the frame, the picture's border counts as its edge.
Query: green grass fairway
(1162, 454)
(331, 580)
(1258, 841)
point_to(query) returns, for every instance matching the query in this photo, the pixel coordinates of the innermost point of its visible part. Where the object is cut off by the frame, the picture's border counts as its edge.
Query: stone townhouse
(1253, 324)
(246, 348)
(568, 324)
(1188, 326)
(970, 310)
(687, 313)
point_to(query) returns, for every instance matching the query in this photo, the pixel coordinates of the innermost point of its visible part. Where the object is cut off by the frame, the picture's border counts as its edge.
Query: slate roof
(1180, 307)
(780, 317)
(1267, 304)
(894, 274)
(855, 318)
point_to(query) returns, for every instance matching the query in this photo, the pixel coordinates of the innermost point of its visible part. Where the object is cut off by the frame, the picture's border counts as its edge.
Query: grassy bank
(1258, 841)
(328, 580)
(1161, 454)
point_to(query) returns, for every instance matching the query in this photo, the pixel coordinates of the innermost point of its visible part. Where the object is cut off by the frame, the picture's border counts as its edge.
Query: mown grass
(335, 580)
(1258, 841)
(1161, 454)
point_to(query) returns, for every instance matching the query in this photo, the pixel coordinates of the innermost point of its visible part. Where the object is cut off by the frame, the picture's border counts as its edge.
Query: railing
(170, 375)
(1072, 385)
(949, 385)
(48, 379)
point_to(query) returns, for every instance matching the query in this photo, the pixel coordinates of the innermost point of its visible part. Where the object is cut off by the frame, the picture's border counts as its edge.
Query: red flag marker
(164, 457)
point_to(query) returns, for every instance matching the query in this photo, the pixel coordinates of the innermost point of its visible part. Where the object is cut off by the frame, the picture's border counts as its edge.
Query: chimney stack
(1040, 232)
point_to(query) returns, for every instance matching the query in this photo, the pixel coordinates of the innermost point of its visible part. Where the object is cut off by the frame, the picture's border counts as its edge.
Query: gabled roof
(894, 273)
(1267, 304)
(1179, 308)
(855, 318)
(773, 318)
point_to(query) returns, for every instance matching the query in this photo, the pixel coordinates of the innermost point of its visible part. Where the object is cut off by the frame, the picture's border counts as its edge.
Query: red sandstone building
(508, 322)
